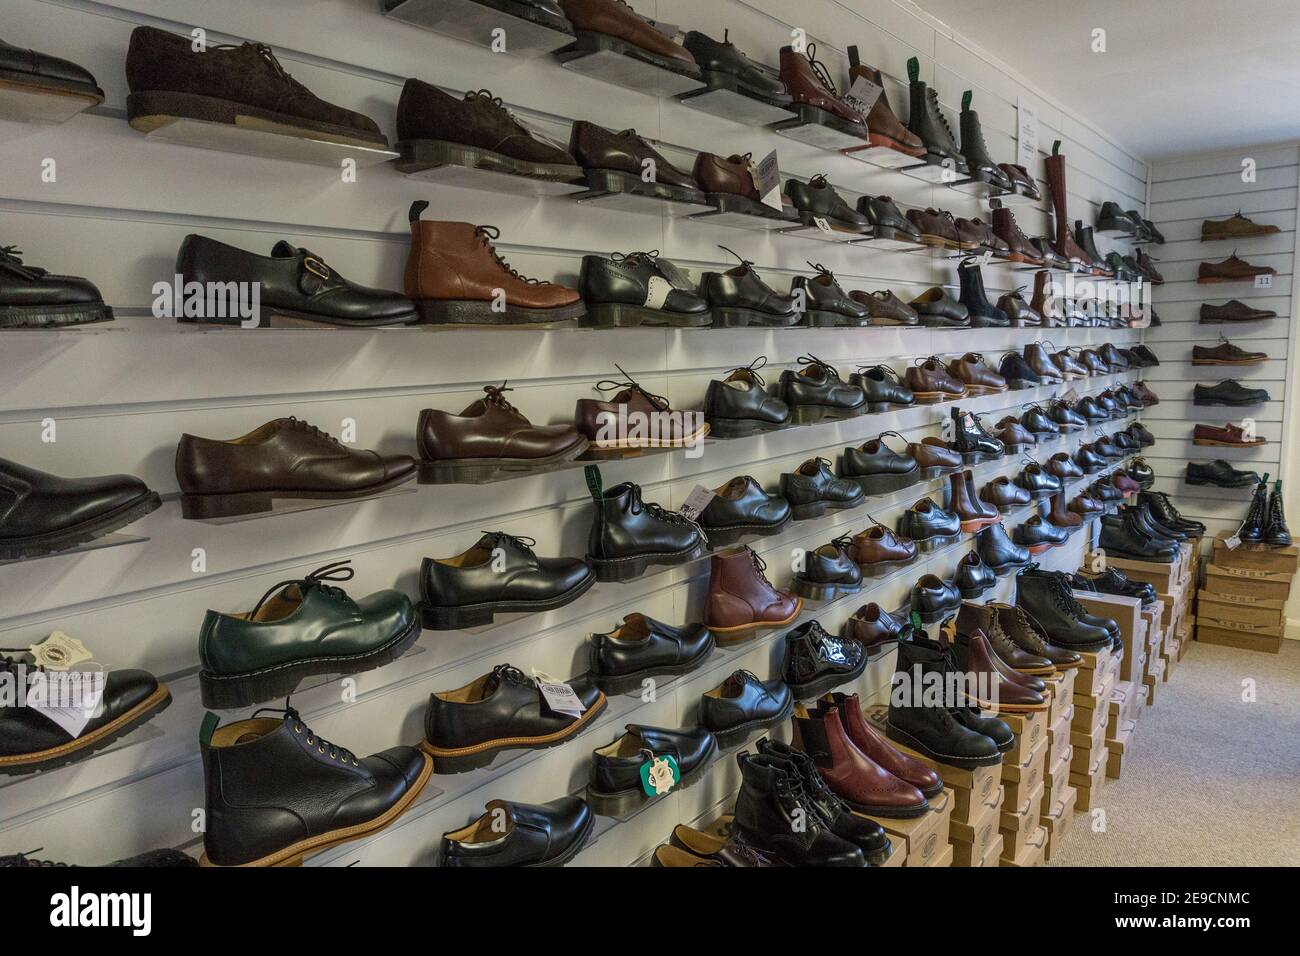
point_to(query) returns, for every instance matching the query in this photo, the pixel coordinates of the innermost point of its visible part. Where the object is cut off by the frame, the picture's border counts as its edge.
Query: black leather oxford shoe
(32, 298)
(725, 66)
(739, 297)
(617, 788)
(934, 599)
(295, 287)
(500, 574)
(42, 513)
(276, 792)
(828, 572)
(466, 728)
(642, 648)
(738, 406)
(31, 741)
(30, 71)
(812, 489)
(998, 551)
(520, 834)
(973, 577)
(1220, 473)
(741, 508)
(882, 387)
(825, 304)
(817, 392)
(743, 705)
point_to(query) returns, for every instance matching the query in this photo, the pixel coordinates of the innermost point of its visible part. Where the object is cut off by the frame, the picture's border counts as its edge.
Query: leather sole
(927, 398)
(734, 736)
(879, 569)
(35, 83)
(961, 763)
(1230, 403)
(887, 812)
(451, 471)
(1253, 361)
(231, 691)
(294, 855)
(15, 549)
(465, 759)
(151, 110)
(616, 315)
(725, 317)
(1042, 546)
(685, 441)
(741, 427)
(815, 509)
(740, 632)
(884, 484)
(481, 312)
(1229, 444)
(721, 537)
(1219, 280)
(822, 319)
(812, 414)
(87, 744)
(451, 618)
(1002, 708)
(208, 507)
(626, 683)
(936, 541)
(421, 154)
(626, 802)
(936, 615)
(589, 41)
(823, 592)
(625, 569)
(53, 316)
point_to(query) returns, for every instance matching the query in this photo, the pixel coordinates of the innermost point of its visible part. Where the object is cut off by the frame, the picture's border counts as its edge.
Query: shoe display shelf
(740, 212)
(146, 733)
(269, 142)
(619, 63)
(813, 126)
(26, 104)
(284, 506)
(443, 170)
(518, 29)
(117, 539)
(882, 157)
(719, 97)
(610, 189)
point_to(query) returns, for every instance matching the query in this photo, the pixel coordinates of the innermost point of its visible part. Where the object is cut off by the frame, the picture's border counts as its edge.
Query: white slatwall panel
(122, 395)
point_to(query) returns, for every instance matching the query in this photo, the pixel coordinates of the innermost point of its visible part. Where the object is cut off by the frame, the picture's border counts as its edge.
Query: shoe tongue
(283, 250)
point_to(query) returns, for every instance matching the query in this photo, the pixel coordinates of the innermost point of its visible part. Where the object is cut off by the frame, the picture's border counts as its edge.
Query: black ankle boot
(970, 439)
(927, 121)
(981, 165)
(629, 534)
(775, 814)
(927, 726)
(1252, 529)
(1276, 533)
(1042, 597)
(983, 313)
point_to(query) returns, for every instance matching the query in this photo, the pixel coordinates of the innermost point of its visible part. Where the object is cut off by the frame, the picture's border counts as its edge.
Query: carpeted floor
(1212, 780)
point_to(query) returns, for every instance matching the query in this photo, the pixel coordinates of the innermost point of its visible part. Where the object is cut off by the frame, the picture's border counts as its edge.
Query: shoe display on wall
(520, 834)
(1235, 226)
(937, 309)
(1234, 310)
(742, 705)
(813, 489)
(629, 534)
(827, 572)
(1003, 494)
(877, 468)
(886, 219)
(873, 627)
(815, 93)
(741, 600)
(741, 508)
(973, 372)
(815, 662)
(983, 313)
(1021, 180)
(825, 304)
(929, 525)
(1064, 244)
(1036, 534)
(614, 26)
(1018, 246)
(490, 439)
(973, 577)
(32, 298)
(616, 788)
(641, 648)
(739, 297)
(300, 628)
(638, 288)
(500, 574)
(738, 406)
(1231, 269)
(883, 389)
(816, 392)
(884, 128)
(40, 74)
(456, 276)
(1112, 218)
(878, 550)
(635, 418)
(1020, 313)
(277, 792)
(44, 513)
(1220, 474)
(783, 814)
(478, 131)
(1227, 435)
(31, 740)
(1229, 392)
(926, 120)
(172, 79)
(282, 460)
(938, 228)
(930, 381)
(503, 710)
(971, 439)
(817, 199)
(724, 66)
(935, 457)
(728, 183)
(1017, 373)
(980, 165)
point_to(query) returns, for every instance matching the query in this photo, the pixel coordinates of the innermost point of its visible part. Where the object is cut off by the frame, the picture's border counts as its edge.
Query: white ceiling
(1178, 76)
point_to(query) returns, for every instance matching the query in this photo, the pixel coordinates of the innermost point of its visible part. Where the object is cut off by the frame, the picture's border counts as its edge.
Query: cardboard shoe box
(926, 836)
(1248, 583)
(1030, 731)
(1033, 853)
(1090, 784)
(1248, 557)
(1059, 821)
(971, 840)
(1016, 827)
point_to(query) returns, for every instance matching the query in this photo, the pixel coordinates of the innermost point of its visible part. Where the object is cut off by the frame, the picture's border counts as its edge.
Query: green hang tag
(209, 727)
(916, 621)
(1056, 147)
(965, 100)
(659, 775)
(913, 69)
(1265, 481)
(592, 474)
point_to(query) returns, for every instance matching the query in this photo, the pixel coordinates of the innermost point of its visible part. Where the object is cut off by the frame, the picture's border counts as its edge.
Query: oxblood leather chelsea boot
(276, 792)
(872, 743)
(856, 778)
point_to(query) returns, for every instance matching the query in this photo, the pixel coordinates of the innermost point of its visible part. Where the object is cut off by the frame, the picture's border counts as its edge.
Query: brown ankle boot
(1048, 306)
(972, 515)
(1061, 516)
(1019, 247)
(741, 599)
(883, 124)
(456, 277)
(1065, 244)
(810, 85)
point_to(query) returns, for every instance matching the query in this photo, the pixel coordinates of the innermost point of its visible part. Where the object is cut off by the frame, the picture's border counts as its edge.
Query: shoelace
(819, 70)
(760, 566)
(337, 571)
(509, 674)
(823, 271)
(267, 54)
(932, 100)
(488, 235)
(655, 510)
(323, 746)
(13, 254)
(752, 368)
(520, 541)
(743, 261)
(812, 361)
(26, 859)
(886, 371)
(496, 395)
(306, 426)
(610, 385)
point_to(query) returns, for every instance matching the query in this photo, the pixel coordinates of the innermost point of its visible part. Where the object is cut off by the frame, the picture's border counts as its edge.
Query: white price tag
(1233, 543)
(1264, 282)
(697, 501)
(561, 698)
(987, 257)
(862, 95)
(822, 224)
(1027, 135)
(767, 180)
(68, 699)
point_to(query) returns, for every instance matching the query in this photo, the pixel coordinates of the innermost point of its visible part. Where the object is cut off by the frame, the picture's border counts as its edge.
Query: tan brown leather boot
(1048, 306)
(1065, 244)
(883, 124)
(456, 277)
(741, 599)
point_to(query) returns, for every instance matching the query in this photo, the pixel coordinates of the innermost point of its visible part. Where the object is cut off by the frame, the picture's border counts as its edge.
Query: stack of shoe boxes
(1124, 702)
(1094, 680)
(927, 838)
(1059, 796)
(1244, 598)
(1122, 713)
(1024, 769)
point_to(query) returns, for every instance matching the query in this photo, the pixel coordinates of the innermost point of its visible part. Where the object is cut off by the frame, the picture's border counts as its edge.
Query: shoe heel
(615, 804)
(435, 618)
(813, 592)
(443, 473)
(805, 414)
(613, 315)
(208, 507)
(731, 319)
(618, 571)
(813, 509)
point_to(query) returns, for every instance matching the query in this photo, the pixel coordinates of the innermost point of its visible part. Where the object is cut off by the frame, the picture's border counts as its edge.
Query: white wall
(122, 395)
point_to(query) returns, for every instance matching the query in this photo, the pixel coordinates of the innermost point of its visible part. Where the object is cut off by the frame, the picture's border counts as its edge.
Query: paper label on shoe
(697, 501)
(767, 180)
(822, 224)
(560, 697)
(1027, 134)
(659, 775)
(1070, 395)
(1233, 543)
(968, 419)
(862, 95)
(1263, 282)
(987, 257)
(669, 30)
(59, 652)
(69, 700)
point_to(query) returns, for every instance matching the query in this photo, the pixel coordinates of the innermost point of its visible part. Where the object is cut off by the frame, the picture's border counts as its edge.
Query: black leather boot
(1252, 529)
(276, 792)
(980, 164)
(1276, 533)
(1123, 539)
(775, 814)
(983, 313)
(1168, 515)
(1054, 608)
(998, 551)
(916, 721)
(629, 534)
(927, 121)
(971, 440)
